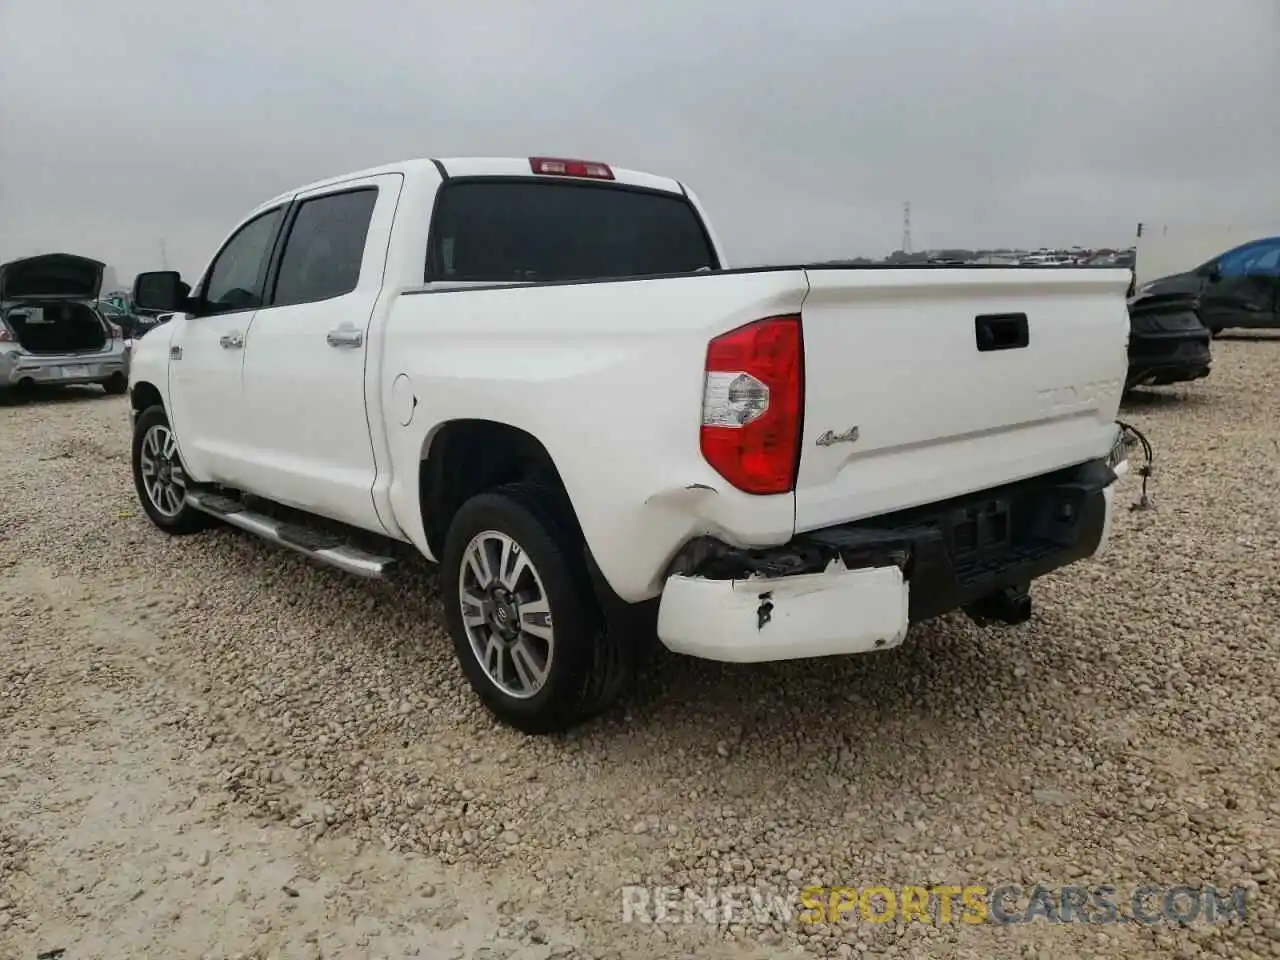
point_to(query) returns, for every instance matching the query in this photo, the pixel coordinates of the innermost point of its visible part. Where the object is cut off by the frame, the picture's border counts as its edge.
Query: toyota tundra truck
(542, 374)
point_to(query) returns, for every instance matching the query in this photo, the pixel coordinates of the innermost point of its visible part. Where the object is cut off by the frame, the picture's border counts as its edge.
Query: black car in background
(1167, 341)
(133, 323)
(151, 321)
(1239, 288)
(123, 318)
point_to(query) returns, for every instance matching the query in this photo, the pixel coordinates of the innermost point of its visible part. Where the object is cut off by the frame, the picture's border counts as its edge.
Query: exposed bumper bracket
(857, 587)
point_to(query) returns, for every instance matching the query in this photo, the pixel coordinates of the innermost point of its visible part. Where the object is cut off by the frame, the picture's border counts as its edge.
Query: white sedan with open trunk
(50, 331)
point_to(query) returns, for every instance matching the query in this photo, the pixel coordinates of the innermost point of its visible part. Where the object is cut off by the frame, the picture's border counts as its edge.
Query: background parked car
(51, 331)
(152, 320)
(1167, 341)
(114, 312)
(1239, 288)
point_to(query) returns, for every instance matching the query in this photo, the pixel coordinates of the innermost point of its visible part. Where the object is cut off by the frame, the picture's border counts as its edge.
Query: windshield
(524, 230)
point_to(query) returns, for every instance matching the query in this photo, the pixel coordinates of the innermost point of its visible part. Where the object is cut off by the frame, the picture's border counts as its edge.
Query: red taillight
(752, 405)
(554, 167)
(6, 336)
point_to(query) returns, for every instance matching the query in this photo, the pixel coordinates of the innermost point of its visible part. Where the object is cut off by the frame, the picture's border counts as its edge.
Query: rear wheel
(523, 617)
(160, 478)
(117, 386)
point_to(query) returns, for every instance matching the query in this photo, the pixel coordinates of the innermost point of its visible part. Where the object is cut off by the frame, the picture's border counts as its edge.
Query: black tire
(588, 668)
(184, 520)
(117, 386)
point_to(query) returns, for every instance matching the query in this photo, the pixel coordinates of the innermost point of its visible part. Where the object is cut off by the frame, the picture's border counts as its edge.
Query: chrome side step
(325, 547)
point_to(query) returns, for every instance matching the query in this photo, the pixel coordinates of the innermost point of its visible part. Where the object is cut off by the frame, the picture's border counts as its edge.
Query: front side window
(237, 276)
(325, 247)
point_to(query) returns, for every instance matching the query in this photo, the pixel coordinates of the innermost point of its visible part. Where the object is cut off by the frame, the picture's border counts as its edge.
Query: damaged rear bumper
(785, 618)
(1159, 360)
(857, 587)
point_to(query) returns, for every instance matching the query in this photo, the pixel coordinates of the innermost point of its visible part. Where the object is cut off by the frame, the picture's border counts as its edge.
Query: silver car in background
(51, 332)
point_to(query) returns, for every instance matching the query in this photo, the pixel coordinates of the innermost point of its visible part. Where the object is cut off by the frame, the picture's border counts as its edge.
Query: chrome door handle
(231, 341)
(345, 337)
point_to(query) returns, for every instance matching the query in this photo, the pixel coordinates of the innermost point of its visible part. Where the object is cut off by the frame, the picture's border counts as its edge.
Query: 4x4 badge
(831, 438)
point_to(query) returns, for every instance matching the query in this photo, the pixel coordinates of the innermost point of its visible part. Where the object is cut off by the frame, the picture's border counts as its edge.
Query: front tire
(160, 478)
(528, 632)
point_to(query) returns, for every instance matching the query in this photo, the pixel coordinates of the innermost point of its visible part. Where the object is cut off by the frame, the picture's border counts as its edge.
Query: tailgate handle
(1001, 331)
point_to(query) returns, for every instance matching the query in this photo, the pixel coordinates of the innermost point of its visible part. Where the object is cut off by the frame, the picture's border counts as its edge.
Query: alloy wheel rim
(163, 478)
(506, 614)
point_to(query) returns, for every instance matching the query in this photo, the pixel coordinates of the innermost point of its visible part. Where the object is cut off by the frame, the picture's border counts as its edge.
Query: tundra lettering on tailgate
(1073, 398)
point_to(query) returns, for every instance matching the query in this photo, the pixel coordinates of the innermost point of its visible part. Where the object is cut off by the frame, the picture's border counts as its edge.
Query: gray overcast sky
(802, 125)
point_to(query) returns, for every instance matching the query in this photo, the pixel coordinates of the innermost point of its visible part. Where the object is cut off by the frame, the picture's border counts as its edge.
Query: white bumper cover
(785, 618)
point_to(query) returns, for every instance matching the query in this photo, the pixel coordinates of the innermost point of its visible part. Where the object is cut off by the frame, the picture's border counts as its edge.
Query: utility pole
(906, 227)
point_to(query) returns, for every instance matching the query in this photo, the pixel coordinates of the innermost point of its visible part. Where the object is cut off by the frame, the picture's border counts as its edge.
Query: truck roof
(478, 167)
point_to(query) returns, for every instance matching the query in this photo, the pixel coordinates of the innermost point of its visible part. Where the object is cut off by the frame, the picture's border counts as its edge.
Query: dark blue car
(1239, 288)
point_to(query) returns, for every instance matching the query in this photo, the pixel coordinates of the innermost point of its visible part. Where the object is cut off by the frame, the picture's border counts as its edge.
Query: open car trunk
(56, 327)
(51, 276)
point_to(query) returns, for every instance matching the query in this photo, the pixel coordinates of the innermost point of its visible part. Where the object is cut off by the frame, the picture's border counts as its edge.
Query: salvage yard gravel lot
(210, 748)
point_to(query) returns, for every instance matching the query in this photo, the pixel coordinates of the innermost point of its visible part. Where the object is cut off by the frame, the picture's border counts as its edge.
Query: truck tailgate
(924, 384)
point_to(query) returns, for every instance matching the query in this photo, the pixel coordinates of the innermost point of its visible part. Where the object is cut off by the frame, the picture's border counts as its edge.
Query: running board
(327, 548)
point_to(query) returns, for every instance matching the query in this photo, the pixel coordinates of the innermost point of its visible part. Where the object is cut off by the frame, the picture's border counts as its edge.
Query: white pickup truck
(542, 375)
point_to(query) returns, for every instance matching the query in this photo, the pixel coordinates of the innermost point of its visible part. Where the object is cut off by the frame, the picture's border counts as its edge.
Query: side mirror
(161, 290)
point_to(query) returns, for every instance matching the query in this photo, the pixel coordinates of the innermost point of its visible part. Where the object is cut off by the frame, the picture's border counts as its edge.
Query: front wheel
(160, 478)
(524, 620)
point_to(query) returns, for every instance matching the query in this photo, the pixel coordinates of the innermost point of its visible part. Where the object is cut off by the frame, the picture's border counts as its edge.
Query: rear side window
(1255, 259)
(526, 230)
(325, 247)
(1268, 265)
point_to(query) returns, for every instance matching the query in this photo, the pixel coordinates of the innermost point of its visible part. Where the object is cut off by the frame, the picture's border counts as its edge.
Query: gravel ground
(209, 747)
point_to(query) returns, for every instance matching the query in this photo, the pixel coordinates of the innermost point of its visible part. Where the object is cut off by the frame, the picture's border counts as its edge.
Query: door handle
(345, 337)
(231, 341)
